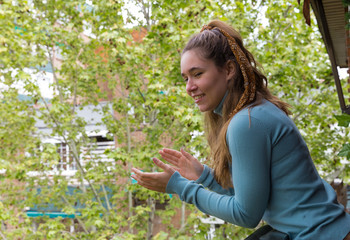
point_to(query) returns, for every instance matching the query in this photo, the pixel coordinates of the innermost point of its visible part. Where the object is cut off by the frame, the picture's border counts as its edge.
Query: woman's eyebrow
(192, 69)
(195, 68)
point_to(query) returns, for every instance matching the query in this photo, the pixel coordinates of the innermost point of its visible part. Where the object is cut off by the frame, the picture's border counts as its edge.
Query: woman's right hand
(183, 162)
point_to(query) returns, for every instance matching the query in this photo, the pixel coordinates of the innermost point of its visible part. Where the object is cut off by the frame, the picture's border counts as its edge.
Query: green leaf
(99, 223)
(345, 151)
(343, 120)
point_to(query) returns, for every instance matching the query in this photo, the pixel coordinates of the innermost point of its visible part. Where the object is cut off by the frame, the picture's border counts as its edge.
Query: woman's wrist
(204, 174)
(199, 171)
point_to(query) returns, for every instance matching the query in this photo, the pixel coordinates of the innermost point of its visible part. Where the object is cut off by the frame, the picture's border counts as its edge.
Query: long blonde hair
(213, 45)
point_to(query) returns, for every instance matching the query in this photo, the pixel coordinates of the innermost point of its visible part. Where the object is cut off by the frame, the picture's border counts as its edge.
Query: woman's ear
(230, 70)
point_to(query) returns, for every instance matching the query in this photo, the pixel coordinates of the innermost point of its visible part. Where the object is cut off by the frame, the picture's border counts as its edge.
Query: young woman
(262, 169)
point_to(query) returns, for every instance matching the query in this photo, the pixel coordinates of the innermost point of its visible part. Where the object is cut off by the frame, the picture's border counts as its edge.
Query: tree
(135, 71)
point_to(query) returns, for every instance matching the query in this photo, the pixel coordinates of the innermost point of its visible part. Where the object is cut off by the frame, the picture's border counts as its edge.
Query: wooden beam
(317, 5)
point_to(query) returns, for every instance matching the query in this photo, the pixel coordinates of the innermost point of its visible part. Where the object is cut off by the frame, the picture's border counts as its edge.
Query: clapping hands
(181, 161)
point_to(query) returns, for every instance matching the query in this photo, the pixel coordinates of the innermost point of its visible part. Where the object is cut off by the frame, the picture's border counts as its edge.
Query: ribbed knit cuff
(171, 186)
(204, 175)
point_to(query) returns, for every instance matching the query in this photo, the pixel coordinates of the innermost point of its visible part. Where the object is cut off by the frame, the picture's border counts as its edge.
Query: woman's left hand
(156, 181)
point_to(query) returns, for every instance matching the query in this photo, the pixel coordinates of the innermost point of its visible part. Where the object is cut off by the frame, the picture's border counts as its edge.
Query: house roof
(92, 115)
(330, 15)
(331, 20)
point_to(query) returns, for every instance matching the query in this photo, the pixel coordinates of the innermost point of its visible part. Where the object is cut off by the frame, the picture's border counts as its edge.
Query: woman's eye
(185, 79)
(198, 75)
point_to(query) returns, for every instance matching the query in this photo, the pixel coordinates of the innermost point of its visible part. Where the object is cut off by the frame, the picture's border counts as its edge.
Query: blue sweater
(274, 180)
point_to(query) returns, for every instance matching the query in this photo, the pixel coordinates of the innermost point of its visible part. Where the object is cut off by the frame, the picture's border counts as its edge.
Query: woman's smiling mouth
(197, 98)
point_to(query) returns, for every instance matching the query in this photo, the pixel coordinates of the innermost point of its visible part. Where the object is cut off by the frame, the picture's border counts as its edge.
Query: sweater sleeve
(250, 148)
(208, 181)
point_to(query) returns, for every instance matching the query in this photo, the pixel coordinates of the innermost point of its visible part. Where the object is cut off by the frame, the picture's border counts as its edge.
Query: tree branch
(106, 197)
(72, 145)
(79, 221)
(54, 74)
(313, 100)
(76, 156)
(3, 236)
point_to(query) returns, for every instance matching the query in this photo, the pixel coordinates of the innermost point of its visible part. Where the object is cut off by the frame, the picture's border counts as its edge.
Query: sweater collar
(218, 109)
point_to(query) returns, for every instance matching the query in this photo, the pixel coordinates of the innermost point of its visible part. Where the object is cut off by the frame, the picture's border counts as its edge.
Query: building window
(67, 162)
(93, 151)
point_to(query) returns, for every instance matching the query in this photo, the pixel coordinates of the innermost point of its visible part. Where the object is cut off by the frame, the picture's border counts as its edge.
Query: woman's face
(205, 82)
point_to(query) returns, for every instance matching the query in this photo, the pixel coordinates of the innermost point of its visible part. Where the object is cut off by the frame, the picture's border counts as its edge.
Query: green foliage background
(148, 95)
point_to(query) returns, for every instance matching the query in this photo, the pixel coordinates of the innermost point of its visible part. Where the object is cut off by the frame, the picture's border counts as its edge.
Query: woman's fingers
(148, 182)
(156, 181)
(174, 155)
(172, 152)
(142, 176)
(163, 166)
(146, 176)
(186, 154)
(169, 158)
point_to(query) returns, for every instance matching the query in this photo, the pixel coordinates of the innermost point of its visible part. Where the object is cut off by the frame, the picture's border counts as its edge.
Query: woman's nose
(190, 86)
